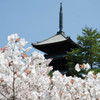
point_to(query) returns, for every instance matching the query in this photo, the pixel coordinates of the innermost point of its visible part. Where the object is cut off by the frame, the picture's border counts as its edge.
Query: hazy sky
(37, 20)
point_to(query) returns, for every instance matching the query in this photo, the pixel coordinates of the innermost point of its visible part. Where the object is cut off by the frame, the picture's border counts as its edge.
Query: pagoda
(56, 46)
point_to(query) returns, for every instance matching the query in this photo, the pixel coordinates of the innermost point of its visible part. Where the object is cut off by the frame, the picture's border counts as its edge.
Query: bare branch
(4, 95)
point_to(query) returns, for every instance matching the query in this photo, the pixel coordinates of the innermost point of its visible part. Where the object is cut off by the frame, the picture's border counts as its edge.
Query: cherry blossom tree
(20, 75)
(24, 77)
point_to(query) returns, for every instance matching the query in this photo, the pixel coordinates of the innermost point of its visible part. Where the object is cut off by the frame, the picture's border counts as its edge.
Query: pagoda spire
(60, 18)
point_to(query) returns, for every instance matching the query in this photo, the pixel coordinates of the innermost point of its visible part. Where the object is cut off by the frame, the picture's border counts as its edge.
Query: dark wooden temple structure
(56, 46)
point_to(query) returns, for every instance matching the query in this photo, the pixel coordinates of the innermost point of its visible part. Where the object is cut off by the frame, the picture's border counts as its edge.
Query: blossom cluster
(24, 77)
(78, 67)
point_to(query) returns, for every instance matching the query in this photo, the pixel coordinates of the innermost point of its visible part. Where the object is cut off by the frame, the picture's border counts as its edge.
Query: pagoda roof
(59, 37)
(55, 44)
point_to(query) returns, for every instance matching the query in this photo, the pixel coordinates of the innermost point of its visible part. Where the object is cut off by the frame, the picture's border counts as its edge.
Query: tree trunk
(13, 98)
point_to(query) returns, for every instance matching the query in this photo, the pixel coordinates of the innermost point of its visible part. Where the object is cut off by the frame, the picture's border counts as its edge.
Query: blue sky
(36, 20)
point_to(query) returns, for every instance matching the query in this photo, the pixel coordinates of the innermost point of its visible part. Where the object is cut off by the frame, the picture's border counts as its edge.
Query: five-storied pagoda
(56, 46)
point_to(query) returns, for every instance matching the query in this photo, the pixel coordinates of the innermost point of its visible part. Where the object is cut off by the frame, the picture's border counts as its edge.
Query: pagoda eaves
(56, 44)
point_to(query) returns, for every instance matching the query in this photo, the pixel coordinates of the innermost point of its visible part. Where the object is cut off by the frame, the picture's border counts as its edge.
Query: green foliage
(90, 41)
(96, 70)
(89, 52)
(50, 73)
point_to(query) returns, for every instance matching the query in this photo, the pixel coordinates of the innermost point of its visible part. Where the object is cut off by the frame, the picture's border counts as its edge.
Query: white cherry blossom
(24, 77)
(77, 67)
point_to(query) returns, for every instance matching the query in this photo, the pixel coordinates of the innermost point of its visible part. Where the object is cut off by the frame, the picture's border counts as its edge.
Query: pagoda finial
(60, 18)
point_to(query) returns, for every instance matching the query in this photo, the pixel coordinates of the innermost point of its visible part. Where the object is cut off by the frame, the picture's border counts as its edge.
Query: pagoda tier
(56, 44)
(59, 64)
